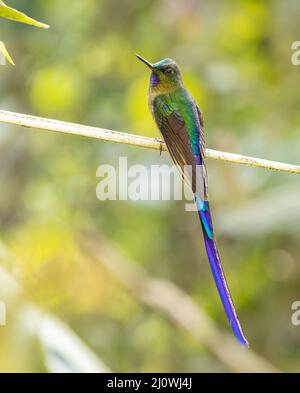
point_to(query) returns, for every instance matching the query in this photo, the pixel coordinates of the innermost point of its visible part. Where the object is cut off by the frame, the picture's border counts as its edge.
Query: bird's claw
(160, 145)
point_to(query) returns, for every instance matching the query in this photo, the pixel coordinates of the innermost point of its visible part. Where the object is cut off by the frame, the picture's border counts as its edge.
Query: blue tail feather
(217, 271)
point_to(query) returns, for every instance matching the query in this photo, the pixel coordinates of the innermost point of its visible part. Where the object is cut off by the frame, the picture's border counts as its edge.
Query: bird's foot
(161, 142)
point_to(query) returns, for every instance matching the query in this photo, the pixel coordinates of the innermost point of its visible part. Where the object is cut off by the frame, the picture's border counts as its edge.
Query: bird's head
(165, 74)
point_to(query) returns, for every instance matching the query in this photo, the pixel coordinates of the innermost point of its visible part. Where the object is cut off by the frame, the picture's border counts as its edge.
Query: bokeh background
(236, 60)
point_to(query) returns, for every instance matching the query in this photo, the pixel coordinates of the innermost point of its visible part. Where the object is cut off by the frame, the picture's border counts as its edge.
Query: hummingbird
(180, 121)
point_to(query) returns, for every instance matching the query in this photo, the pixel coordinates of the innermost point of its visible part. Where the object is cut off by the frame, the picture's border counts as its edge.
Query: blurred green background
(236, 60)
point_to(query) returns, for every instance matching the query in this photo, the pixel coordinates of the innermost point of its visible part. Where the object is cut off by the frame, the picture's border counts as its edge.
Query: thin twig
(41, 123)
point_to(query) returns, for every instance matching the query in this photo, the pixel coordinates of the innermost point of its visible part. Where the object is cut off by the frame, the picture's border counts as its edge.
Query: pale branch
(41, 123)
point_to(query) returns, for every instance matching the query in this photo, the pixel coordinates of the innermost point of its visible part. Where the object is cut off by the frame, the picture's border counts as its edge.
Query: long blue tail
(217, 270)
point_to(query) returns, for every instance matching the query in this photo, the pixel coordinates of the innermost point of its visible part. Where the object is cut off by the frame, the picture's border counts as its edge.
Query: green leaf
(5, 53)
(12, 14)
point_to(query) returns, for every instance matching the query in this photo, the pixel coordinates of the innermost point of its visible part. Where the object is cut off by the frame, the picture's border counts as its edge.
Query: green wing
(181, 125)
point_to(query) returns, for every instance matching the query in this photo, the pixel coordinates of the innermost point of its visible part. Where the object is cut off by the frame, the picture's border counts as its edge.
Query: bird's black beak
(145, 61)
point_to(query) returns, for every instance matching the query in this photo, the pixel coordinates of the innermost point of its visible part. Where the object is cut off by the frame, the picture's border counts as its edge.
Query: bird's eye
(169, 70)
